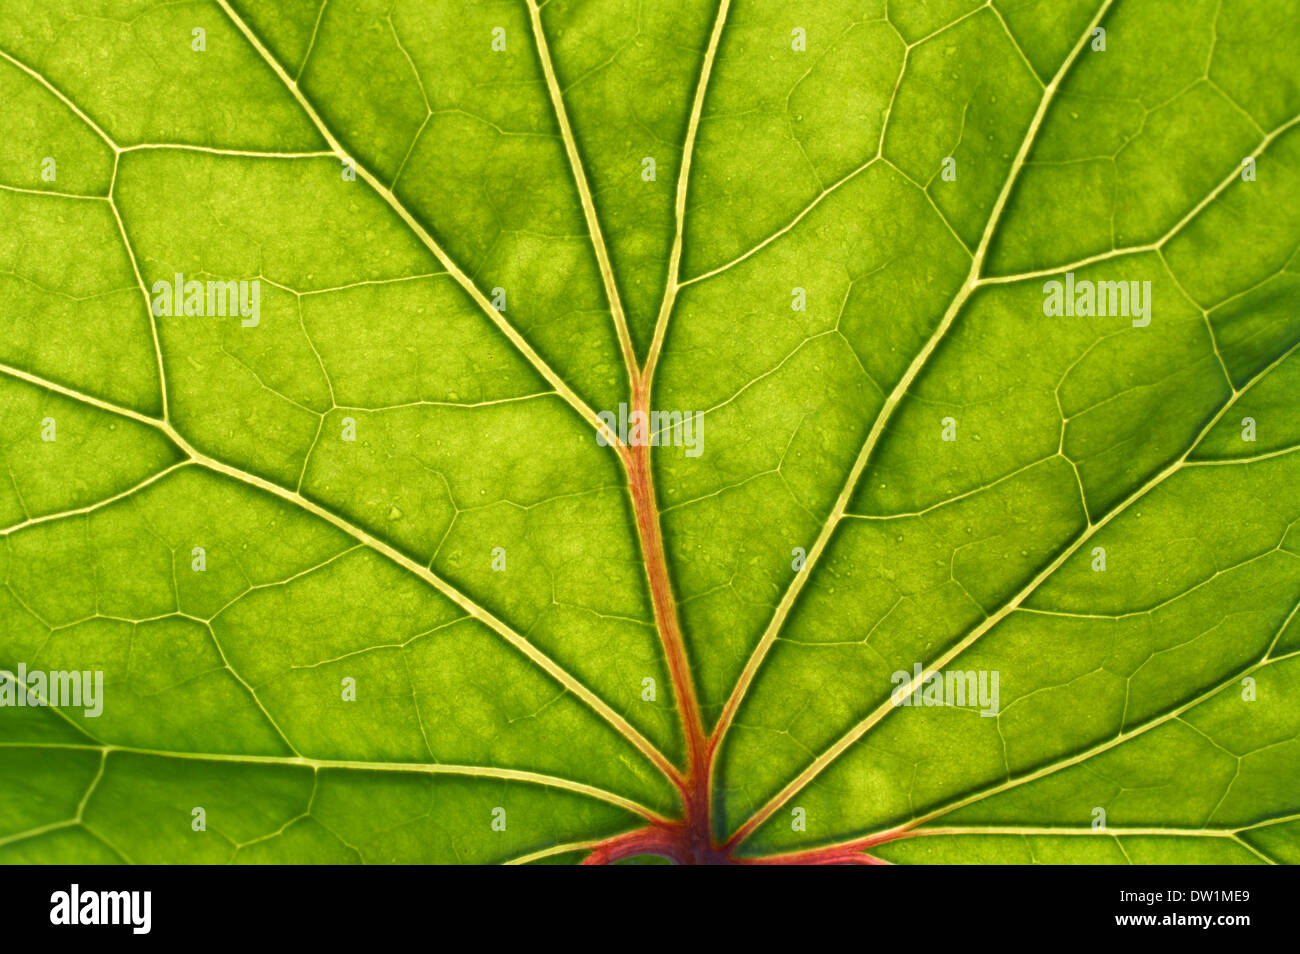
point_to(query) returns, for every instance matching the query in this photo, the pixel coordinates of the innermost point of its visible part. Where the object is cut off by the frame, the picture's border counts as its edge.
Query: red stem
(653, 840)
(673, 840)
(690, 840)
(694, 783)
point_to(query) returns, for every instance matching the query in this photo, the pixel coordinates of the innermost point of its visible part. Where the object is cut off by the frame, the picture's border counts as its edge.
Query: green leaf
(364, 578)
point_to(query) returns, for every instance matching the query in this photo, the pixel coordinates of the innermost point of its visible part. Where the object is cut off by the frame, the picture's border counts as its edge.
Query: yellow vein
(799, 217)
(94, 784)
(1253, 850)
(311, 44)
(62, 98)
(413, 768)
(584, 191)
(51, 192)
(1159, 243)
(554, 850)
(9, 677)
(672, 285)
(37, 832)
(144, 291)
(909, 829)
(496, 317)
(1048, 831)
(81, 396)
(895, 397)
(552, 668)
(849, 738)
(1016, 43)
(218, 151)
(1102, 747)
(879, 156)
(91, 508)
(257, 700)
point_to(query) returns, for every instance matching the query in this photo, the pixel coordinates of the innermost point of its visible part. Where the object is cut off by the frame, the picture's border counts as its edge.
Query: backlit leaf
(975, 325)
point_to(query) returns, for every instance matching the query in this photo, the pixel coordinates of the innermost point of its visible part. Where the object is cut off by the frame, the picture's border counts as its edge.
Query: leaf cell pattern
(363, 584)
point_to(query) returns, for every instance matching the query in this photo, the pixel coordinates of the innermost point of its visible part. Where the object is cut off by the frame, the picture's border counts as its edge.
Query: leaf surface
(362, 582)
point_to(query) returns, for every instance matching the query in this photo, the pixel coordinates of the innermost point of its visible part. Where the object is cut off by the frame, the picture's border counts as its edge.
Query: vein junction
(691, 837)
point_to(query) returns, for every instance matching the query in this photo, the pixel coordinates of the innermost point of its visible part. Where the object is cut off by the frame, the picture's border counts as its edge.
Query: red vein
(696, 833)
(652, 840)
